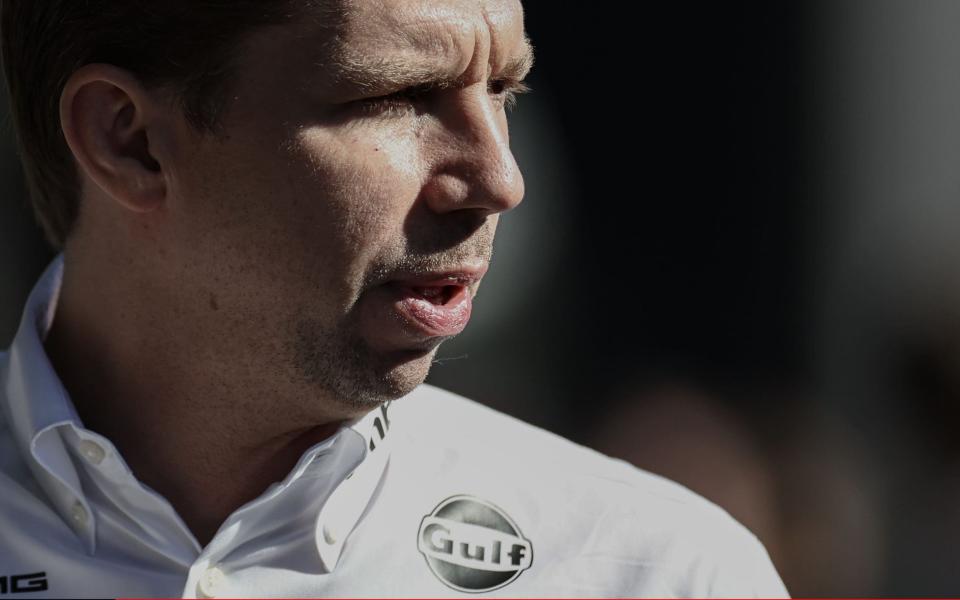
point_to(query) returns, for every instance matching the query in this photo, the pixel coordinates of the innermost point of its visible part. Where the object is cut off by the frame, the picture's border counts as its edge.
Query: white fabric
(354, 516)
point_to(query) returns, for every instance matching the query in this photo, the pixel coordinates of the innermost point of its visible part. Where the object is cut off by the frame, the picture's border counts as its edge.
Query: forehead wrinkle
(504, 31)
(399, 52)
(434, 46)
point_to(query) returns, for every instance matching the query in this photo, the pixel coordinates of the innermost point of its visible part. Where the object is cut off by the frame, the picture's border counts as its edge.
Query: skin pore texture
(229, 300)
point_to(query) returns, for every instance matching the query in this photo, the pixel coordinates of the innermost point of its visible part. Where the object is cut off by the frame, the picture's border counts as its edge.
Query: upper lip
(459, 275)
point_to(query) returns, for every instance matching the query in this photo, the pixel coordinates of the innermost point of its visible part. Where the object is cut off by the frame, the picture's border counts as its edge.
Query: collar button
(92, 451)
(329, 535)
(79, 515)
(208, 583)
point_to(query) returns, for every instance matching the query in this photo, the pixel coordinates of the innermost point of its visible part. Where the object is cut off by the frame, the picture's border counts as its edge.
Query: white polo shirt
(431, 495)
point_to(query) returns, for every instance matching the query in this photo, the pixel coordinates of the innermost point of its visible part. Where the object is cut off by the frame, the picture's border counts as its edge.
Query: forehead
(454, 33)
(341, 50)
(415, 20)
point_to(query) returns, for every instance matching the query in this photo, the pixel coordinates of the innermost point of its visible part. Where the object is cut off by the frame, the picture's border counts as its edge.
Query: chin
(352, 374)
(362, 386)
(400, 374)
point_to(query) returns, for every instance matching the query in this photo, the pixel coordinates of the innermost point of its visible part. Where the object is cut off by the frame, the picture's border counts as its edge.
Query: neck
(188, 414)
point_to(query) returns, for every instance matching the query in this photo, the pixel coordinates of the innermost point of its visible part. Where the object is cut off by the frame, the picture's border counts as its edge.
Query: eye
(407, 100)
(505, 91)
(396, 104)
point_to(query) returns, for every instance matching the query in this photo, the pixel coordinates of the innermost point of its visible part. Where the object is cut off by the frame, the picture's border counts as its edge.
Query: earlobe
(107, 119)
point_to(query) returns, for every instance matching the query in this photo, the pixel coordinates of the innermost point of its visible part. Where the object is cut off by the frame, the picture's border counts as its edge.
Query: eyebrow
(375, 73)
(519, 66)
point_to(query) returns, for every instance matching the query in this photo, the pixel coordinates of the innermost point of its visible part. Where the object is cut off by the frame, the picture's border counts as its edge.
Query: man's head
(307, 189)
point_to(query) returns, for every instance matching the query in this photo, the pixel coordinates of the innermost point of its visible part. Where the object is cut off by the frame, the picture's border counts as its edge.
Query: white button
(329, 536)
(208, 583)
(92, 451)
(79, 514)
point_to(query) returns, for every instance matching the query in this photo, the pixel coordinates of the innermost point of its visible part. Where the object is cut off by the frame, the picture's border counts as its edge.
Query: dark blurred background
(737, 265)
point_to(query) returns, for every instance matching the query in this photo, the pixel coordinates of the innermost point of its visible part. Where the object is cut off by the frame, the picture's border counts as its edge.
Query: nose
(474, 168)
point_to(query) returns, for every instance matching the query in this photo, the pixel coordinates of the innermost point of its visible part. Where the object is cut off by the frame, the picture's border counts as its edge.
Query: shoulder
(451, 420)
(610, 515)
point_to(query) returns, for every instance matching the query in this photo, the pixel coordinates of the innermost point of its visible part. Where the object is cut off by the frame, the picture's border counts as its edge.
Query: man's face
(335, 234)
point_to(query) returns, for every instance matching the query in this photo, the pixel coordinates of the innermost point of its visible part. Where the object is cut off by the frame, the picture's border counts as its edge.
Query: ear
(108, 118)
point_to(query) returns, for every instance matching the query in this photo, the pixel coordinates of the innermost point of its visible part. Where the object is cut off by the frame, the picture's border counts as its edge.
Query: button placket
(346, 503)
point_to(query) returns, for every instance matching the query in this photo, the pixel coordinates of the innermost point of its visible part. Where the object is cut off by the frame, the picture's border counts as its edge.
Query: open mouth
(435, 308)
(439, 295)
(412, 310)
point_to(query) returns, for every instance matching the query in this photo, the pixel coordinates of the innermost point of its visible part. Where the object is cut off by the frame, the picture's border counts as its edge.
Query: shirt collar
(342, 511)
(30, 374)
(37, 406)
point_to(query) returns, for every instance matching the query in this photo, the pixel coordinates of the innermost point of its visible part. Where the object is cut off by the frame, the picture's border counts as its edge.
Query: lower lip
(434, 320)
(394, 317)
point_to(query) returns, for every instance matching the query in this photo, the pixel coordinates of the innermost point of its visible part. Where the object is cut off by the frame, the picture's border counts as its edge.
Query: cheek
(300, 224)
(364, 188)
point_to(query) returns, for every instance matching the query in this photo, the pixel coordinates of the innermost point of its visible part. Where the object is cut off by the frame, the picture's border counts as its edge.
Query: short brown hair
(184, 44)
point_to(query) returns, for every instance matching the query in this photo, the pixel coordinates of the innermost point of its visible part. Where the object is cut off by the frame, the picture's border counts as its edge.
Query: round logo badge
(473, 546)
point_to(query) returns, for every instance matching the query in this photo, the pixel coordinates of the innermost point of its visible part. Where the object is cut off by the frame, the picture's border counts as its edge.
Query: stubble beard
(345, 370)
(340, 365)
